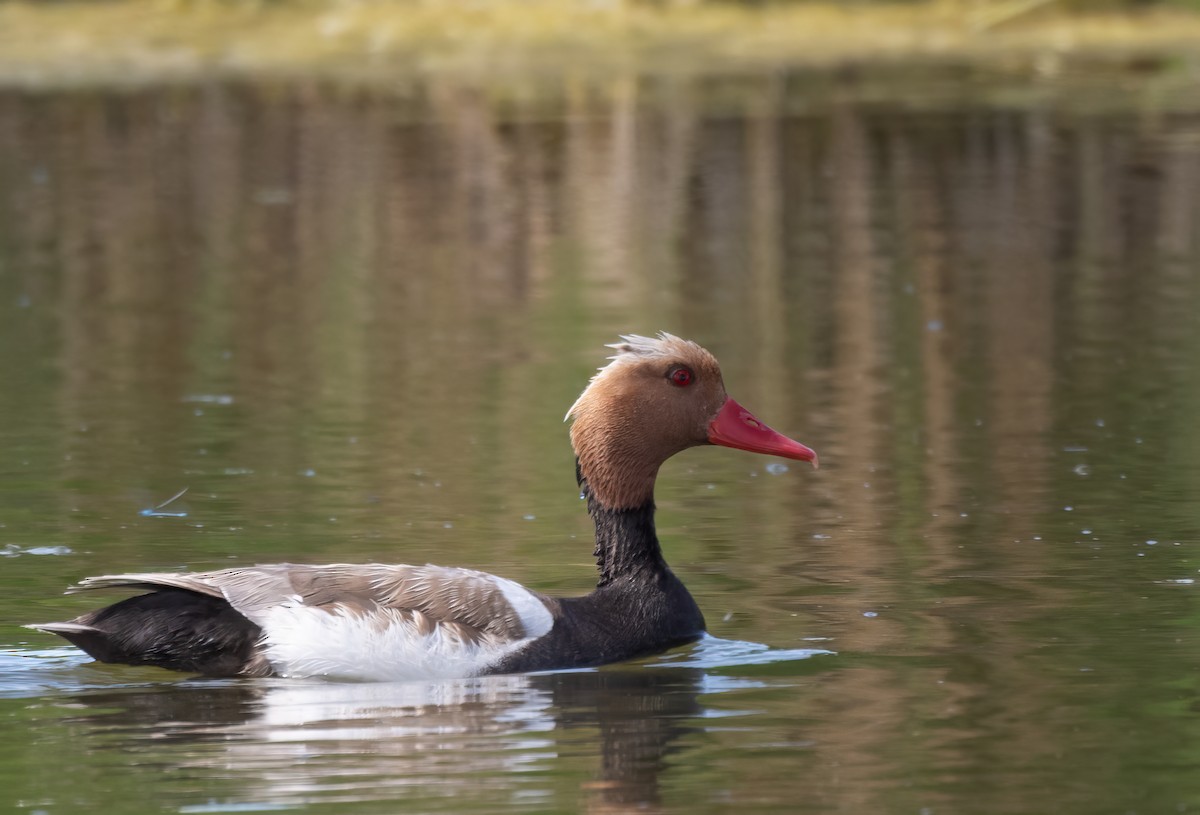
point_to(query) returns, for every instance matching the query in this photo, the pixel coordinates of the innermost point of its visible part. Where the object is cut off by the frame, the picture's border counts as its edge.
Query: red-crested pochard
(655, 398)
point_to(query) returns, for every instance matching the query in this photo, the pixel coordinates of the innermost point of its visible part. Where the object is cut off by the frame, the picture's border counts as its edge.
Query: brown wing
(474, 603)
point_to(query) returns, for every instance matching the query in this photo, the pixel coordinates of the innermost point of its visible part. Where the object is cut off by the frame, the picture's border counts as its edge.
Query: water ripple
(714, 652)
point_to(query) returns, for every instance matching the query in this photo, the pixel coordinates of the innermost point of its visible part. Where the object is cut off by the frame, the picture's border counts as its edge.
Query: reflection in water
(507, 740)
(300, 742)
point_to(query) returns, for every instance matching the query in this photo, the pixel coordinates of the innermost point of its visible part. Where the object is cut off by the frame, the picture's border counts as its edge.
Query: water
(349, 320)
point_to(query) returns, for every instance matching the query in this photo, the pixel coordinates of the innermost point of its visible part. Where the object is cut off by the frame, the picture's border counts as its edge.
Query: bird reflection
(640, 715)
(516, 737)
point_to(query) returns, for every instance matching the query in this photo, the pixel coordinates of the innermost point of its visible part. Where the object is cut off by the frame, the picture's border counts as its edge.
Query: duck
(655, 397)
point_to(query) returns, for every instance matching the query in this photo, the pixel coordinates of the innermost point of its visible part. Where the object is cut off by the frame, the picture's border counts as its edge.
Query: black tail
(171, 628)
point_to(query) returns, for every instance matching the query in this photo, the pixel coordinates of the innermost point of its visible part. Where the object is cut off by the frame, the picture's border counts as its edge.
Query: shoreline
(130, 42)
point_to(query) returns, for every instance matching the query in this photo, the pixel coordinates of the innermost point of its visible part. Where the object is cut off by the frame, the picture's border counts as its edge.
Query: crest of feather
(634, 348)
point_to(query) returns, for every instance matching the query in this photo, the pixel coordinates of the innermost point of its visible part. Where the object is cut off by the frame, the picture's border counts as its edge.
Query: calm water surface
(349, 322)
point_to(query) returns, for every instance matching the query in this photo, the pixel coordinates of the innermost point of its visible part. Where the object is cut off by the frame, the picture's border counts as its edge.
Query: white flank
(535, 617)
(387, 645)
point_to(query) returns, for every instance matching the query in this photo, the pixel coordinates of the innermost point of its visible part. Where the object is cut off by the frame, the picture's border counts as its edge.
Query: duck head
(657, 397)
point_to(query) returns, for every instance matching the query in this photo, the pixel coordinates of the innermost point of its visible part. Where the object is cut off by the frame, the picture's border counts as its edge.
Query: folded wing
(379, 622)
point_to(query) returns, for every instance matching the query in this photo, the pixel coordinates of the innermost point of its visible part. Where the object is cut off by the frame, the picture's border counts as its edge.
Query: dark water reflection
(349, 322)
(506, 743)
(486, 744)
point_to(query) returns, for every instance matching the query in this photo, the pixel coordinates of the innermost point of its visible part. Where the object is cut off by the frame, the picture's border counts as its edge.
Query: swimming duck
(656, 397)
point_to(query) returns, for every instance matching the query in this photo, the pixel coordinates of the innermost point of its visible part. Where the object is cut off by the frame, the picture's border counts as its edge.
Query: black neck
(626, 543)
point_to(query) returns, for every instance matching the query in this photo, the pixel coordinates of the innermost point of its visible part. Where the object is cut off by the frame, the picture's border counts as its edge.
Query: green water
(349, 322)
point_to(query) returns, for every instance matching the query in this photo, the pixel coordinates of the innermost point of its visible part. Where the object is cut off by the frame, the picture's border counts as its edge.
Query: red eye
(681, 376)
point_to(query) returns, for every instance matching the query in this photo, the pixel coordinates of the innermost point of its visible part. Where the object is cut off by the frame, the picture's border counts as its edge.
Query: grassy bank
(133, 41)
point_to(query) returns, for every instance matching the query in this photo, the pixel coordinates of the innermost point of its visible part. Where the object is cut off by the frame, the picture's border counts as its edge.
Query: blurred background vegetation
(136, 41)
